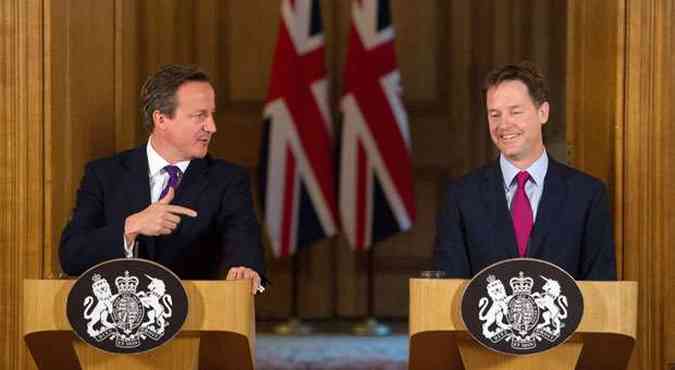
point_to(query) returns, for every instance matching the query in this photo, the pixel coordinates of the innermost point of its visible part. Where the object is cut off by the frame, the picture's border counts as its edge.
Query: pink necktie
(521, 213)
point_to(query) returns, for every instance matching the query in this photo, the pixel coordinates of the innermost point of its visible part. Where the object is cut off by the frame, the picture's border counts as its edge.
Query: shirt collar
(156, 163)
(537, 170)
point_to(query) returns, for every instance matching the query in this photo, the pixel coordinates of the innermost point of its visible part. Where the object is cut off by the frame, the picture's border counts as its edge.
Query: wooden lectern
(219, 332)
(603, 340)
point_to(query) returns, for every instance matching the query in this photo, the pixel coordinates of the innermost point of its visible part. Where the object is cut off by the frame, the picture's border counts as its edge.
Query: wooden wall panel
(21, 168)
(594, 84)
(79, 104)
(620, 82)
(462, 87)
(128, 79)
(419, 30)
(250, 46)
(595, 89)
(669, 186)
(647, 117)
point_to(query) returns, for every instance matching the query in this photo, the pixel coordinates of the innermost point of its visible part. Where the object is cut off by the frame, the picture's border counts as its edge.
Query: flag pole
(294, 324)
(371, 326)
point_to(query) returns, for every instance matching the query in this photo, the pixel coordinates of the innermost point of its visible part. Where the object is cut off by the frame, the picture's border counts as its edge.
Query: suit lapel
(137, 185)
(504, 237)
(555, 192)
(137, 182)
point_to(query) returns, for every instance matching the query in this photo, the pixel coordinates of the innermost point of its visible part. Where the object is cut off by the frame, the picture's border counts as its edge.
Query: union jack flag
(298, 169)
(376, 183)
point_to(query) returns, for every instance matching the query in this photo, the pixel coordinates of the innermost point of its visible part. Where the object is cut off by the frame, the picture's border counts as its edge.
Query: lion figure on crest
(103, 308)
(497, 311)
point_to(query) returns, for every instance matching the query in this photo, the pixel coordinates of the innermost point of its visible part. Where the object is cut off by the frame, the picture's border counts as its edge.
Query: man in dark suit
(525, 204)
(168, 201)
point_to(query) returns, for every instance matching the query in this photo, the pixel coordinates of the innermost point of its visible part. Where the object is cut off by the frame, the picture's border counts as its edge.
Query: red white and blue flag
(376, 183)
(298, 163)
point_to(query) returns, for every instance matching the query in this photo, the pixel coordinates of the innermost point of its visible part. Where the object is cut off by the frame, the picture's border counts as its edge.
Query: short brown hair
(159, 90)
(525, 72)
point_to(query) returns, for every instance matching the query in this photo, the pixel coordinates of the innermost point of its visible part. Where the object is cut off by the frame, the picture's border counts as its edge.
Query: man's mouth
(507, 138)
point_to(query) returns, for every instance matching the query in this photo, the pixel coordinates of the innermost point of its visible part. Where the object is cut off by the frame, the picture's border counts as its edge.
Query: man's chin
(199, 154)
(510, 152)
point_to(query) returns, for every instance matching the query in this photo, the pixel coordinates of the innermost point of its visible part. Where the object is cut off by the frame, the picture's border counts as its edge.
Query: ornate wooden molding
(21, 166)
(619, 92)
(594, 96)
(645, 201)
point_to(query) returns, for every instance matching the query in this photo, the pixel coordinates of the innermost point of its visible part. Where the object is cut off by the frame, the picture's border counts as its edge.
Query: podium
(439, 340)
(219, 332)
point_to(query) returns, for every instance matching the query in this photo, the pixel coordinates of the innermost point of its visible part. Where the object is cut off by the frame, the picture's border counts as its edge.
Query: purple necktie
(521, 213)
(175, 175)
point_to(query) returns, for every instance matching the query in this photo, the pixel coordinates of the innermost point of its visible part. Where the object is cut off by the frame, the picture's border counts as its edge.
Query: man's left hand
(238, 273)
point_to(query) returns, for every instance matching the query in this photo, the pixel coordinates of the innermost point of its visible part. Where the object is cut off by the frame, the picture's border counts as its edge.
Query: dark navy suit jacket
(225, 232)
(573, 226)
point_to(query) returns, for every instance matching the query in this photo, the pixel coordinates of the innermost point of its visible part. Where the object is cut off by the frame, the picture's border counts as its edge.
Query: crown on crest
(521, 284)
(493, 281)
(126, 283)
(98, 281)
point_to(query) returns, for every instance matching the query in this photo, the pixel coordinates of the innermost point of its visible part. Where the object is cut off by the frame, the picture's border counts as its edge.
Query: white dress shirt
(158, 178)
(534, 187)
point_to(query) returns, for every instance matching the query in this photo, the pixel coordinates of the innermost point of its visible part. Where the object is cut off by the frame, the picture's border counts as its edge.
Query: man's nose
(507, 120)
(210, 125)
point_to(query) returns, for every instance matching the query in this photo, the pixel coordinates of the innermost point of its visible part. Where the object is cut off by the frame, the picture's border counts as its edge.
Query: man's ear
(542, 112)
(158, 119)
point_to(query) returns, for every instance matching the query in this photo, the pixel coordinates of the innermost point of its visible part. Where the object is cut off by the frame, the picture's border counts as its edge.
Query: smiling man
(168, 201)
(525, 204)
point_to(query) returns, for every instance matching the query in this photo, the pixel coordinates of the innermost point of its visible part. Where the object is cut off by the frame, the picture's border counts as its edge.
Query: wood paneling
(668, 146)
(594, 84)
(128, 79)
(21, 167)
(248, 67)
(79, 104)
(595, 89)
(620, 82)
(647, 116)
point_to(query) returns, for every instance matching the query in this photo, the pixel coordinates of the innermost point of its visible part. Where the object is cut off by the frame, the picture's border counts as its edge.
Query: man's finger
(256, 284)
(249, 274)
(171, 218)
(169, 225)
(181, 211)
(168, 197)
(164, 231)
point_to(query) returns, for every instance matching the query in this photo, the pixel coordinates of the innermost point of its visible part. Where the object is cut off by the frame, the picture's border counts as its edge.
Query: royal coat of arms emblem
(131, 314)
(522, 319)
(121, 315)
